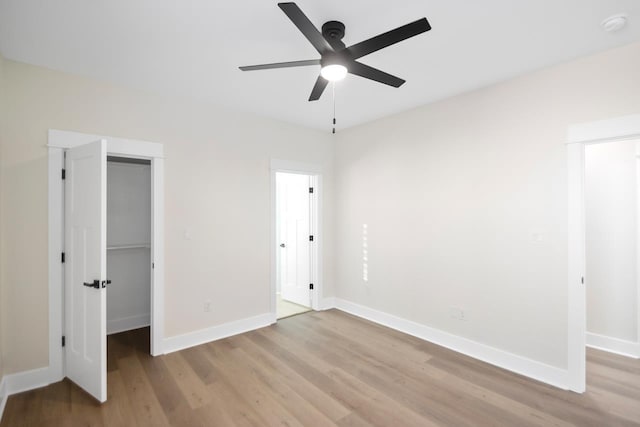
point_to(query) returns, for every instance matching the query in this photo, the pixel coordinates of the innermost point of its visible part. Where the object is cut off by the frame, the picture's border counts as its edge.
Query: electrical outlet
(207, 306)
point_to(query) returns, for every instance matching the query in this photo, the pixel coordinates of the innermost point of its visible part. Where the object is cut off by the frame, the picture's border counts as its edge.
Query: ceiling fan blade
(371, 73)
(306, 27)
(381, 41)
(280, 65)
(318, 88)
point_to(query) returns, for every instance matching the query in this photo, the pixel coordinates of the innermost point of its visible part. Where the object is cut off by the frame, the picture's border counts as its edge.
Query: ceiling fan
(336, 59)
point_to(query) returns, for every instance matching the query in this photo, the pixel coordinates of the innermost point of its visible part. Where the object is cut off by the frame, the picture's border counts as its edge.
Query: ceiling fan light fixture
(333, 72)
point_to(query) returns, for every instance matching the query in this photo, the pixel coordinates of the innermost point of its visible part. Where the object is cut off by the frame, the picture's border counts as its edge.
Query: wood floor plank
(326, 369)
(300, 408)
(305, 388)
(193, 389)
(246, 385)
(145, 405)
(117, 410)
(375, 368)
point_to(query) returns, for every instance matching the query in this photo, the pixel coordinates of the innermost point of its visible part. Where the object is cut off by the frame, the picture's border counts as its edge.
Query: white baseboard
(327, 303)
(614, 345)
(521, 365)
(24, 381)
(3, 396)
(27, 380)
(128, 323)
(214, 333)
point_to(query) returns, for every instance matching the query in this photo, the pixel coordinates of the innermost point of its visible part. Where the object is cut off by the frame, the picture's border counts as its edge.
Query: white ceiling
(192, 48)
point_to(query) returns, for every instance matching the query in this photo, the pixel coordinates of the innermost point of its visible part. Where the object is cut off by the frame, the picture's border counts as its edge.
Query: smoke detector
(614, 23)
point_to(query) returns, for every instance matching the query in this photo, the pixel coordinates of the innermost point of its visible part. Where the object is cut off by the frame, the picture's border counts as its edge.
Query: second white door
(294, 228)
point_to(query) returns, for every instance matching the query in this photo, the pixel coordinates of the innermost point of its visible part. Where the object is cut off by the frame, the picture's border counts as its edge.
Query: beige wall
(466, 204)
(217, 186)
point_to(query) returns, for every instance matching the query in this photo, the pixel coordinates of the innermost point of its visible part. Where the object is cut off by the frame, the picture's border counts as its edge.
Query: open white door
(85, 267)
(295, 228)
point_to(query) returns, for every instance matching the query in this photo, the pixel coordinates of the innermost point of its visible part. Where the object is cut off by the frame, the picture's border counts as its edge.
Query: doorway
(294, 194)
(579, 136)
(612, 253)
(128, 244)
(296, 282)
(78, 217)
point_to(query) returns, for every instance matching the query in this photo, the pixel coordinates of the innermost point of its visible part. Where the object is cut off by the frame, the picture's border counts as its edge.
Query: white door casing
(294, 205)
(85, 244)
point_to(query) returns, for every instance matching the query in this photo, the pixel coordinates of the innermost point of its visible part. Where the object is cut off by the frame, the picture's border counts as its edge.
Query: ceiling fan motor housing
(333, 30)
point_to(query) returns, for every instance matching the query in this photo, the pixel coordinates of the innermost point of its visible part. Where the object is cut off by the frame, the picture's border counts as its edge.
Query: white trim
(576, 292)
(626, 127)
(157, 256)
(614, 345)
(56, 247)
(58, 141)
(117, 146)
(23, 381)
(128, 323)
(3, 396)
(328, 303)
(521, 365)
(191, 339)
(315, 171)
(602, 131)
(27, 380)
(295, 167)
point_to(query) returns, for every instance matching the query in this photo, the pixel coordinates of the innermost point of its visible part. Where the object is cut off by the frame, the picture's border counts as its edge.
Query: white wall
(217, 198)
(128, 224)
(3, 310)
(611, 196)
(466, 205)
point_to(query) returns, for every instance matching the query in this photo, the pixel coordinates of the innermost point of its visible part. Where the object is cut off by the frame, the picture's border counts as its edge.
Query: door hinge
(153, 265)
(64, 174)
(582, 280)
(62, 258)
(311, 238)
(311, 286)
(64, 340)
(311, 190)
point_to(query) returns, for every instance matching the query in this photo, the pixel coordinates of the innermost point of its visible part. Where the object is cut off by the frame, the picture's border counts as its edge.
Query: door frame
(315, 171)
(578, 136)
(58, 141)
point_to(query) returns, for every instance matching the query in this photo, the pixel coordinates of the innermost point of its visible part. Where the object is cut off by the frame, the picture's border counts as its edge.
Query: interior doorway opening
(579, 136)
(128, 244)
(612, 255)
(296, 237)
(309, 195)
(78, 281)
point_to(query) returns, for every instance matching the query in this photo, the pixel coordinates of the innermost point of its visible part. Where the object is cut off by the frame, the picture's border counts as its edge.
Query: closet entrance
(106, 218)
(128, 244)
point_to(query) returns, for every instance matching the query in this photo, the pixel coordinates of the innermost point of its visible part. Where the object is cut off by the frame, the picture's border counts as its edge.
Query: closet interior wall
(128, 244)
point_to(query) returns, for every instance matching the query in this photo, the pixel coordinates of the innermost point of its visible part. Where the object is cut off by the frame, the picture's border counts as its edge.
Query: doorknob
(95, 284)
(105, 283)
(282, 245)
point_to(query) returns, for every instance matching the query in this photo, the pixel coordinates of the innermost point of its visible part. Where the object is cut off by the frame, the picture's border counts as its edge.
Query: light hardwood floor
(326, 369)
(286, 308)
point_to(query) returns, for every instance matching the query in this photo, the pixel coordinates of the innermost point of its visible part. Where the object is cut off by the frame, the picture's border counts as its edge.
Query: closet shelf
(136, 246)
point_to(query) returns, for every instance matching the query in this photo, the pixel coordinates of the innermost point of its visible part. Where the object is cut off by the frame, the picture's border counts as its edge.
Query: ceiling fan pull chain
(333, 86)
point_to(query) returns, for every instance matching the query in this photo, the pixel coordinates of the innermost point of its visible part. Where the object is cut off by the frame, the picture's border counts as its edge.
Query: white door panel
(85, 246)
(295, 229)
